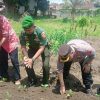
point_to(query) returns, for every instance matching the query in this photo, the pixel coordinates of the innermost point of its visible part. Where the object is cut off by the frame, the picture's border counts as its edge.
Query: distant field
(50, 25)
(62, 30)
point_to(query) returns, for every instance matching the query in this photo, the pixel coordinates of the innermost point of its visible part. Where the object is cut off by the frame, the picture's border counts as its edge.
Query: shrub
(59, 37)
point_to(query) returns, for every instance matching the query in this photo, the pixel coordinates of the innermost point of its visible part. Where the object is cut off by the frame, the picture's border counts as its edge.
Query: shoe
(32, 83)
(98, 92)
(0, 77)
(45, 85)
(4, 79)
(17, 82)
(89, 91)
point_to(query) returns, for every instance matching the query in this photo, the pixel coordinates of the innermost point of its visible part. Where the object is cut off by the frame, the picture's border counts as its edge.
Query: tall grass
(59, 37)
(59, 31)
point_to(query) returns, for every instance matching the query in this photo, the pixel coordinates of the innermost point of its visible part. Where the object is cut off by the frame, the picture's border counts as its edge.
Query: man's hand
(62, 89)
(87, 68)
(2, 41)
(28, 62)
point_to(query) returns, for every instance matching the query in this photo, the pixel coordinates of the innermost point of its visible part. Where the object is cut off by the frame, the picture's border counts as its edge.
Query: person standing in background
(8, 45)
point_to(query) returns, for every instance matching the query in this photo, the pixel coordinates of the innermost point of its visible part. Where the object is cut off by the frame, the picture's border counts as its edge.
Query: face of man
(30, 30)
(66, 58)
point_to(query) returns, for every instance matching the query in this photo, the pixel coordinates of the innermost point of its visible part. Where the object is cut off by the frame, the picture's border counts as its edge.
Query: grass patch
(61, 30)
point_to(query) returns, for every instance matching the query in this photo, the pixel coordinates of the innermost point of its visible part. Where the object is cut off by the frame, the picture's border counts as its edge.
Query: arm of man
(42, 47)
(5, 29)
(60, 76)
(24, 51)
(29, 61)
(2, 41)
(38, 53)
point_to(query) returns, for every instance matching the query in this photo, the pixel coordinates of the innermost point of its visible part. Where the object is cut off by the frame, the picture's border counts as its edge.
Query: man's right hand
(25, 59)
(26, 62)
(62, 90)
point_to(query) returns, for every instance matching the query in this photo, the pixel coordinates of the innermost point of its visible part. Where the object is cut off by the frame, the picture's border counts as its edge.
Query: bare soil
(9, 91)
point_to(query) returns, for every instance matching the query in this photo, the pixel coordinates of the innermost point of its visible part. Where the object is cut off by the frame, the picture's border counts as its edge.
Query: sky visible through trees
(56, 1)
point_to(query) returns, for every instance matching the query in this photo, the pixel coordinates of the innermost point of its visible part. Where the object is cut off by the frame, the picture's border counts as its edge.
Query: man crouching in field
(35, 38)
(75, 51)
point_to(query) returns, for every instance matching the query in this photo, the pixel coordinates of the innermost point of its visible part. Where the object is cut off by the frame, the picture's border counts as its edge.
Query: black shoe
(32, 82)
(98, 91)
(0, 78)
(89, 91)
(4, 79)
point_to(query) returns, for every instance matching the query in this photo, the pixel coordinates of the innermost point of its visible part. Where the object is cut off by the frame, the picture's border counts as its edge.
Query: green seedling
(98, 95)
(69, 94)
(20, 87)
(3, 80)
(8, 96)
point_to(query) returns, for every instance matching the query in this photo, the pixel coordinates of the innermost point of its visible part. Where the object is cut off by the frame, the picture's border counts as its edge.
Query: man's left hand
(28, 62)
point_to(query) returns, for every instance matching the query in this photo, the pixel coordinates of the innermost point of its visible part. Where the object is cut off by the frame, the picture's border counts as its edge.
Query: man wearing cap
(75, 51)
(8, 45)
(34, 37)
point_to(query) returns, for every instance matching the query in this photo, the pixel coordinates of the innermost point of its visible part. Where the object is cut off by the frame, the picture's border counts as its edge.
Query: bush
(65, 20)
(82, 22)
(59, 37)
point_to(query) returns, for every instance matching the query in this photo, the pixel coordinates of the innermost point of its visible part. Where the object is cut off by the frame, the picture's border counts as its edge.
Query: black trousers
(4, 63)
(46, 68)
(87, 77)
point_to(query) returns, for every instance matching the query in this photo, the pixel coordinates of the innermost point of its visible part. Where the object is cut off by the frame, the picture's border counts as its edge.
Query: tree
(11, 2)
(43, 6)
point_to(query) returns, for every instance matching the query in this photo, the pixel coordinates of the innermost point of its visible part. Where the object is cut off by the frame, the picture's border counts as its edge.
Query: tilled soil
(9, 91)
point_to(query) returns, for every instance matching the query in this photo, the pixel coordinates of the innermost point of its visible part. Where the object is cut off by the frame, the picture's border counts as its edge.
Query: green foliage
(11, 1)
(8, 96)
(97, 12)
(59, 32)
(43, 5)
(82, 22)
(65, 20)
(59, 37)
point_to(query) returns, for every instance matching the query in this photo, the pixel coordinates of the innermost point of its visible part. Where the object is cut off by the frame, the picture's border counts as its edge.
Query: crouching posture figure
(75, 51)
(35, 39)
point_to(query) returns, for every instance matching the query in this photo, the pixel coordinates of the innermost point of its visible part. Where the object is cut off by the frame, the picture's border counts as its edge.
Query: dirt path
(9, 91)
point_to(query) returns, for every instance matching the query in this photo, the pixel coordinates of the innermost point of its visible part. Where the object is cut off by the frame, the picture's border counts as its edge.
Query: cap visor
(67, 59)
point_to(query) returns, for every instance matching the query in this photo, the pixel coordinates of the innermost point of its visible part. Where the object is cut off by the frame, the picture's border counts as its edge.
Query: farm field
(58, 31)
(9, 91)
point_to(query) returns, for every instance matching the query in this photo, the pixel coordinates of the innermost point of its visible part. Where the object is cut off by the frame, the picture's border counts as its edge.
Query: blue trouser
(4, 63)
(87, 77)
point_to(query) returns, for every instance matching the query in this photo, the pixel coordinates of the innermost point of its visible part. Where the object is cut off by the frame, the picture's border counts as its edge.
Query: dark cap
(64, 50)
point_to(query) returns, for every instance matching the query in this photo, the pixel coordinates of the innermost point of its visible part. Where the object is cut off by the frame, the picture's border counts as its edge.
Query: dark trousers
(46, 68)
(4, 63)
(87, 77)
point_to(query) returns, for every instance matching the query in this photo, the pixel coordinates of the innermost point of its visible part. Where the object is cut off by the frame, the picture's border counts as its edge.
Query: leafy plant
(82, 22)
(8, 96)
(59, 37)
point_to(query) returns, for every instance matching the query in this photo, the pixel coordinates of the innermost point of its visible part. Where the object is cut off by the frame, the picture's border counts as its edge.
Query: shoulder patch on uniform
(43, 35)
